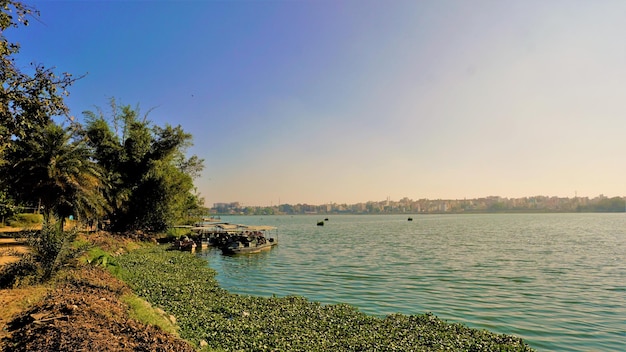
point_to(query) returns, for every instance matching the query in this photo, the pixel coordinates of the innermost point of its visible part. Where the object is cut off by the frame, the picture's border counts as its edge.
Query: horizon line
(601, 195)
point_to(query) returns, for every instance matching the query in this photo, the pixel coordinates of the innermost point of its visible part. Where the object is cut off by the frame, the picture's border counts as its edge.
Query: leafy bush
(98, 257)
(51, 249)
(176, 232)
(25, 220)
(20, 273)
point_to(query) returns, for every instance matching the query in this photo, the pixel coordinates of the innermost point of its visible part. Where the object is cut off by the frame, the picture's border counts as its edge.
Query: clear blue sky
(348, 101)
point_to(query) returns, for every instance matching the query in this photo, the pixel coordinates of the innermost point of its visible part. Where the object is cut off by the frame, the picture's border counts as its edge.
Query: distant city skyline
(350, 101)
(389, 199)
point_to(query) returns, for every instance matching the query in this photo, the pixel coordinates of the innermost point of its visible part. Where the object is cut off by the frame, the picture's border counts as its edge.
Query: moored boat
(252, 239)
(218, 234)
(245, 247)
(184, 244)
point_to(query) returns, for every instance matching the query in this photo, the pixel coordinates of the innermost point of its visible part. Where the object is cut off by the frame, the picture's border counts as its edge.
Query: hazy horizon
(354, 101)
(280, 202)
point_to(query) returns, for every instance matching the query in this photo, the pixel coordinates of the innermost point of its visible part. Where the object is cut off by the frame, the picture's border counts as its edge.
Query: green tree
(7, 206)
(151, 179)
(55, 170)
(27, 99)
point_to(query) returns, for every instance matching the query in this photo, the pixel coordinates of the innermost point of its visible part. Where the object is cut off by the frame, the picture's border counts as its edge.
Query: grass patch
(25, 220)
(143, 311)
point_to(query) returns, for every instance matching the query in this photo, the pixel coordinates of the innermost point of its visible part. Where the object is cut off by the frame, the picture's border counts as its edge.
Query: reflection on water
(557, 280)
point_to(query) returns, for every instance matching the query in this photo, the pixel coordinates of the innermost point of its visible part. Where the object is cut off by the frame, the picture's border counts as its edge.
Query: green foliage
(150, 179)
(53, 169)
(22, 273)
(497, 207)
(25, 220)
(98, 257)
(176, 232)
(8, 207)
(184, 286)
(147, 181)
(50, 250)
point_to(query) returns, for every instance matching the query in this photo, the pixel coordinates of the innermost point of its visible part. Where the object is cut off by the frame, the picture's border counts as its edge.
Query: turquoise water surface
(556, 280)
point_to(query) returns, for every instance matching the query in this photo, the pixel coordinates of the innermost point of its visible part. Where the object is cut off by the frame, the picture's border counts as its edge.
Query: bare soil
(83, 312)
(15, 301)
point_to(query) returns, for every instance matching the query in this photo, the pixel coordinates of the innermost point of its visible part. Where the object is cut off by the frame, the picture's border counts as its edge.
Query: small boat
(225, 236)
(212, 219)
(184, 244)
(410, 219)
(251, 240)
(320, 223)
(248, 247)
(216, 233)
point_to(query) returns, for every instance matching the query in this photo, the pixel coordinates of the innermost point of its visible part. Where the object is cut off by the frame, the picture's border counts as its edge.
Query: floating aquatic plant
(184, 286)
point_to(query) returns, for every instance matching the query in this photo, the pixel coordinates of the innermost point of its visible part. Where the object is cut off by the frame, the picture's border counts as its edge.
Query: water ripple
(557, 280)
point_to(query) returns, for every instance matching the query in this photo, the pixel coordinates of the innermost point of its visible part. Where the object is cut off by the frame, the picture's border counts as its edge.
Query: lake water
(556, 280)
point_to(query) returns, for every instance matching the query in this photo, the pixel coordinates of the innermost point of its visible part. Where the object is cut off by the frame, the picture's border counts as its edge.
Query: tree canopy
(151, 181)
(27, 99)
(52, 169)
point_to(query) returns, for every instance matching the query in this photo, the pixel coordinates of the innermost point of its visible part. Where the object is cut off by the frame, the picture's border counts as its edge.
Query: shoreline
(228, 321)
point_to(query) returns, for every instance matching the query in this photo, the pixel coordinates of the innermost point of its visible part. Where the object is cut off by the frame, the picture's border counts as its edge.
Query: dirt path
(10, 249)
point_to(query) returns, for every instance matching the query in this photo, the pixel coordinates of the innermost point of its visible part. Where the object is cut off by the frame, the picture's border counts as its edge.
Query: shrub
(51, 249)
(176, 232)
(98, 257)
(20, 273)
